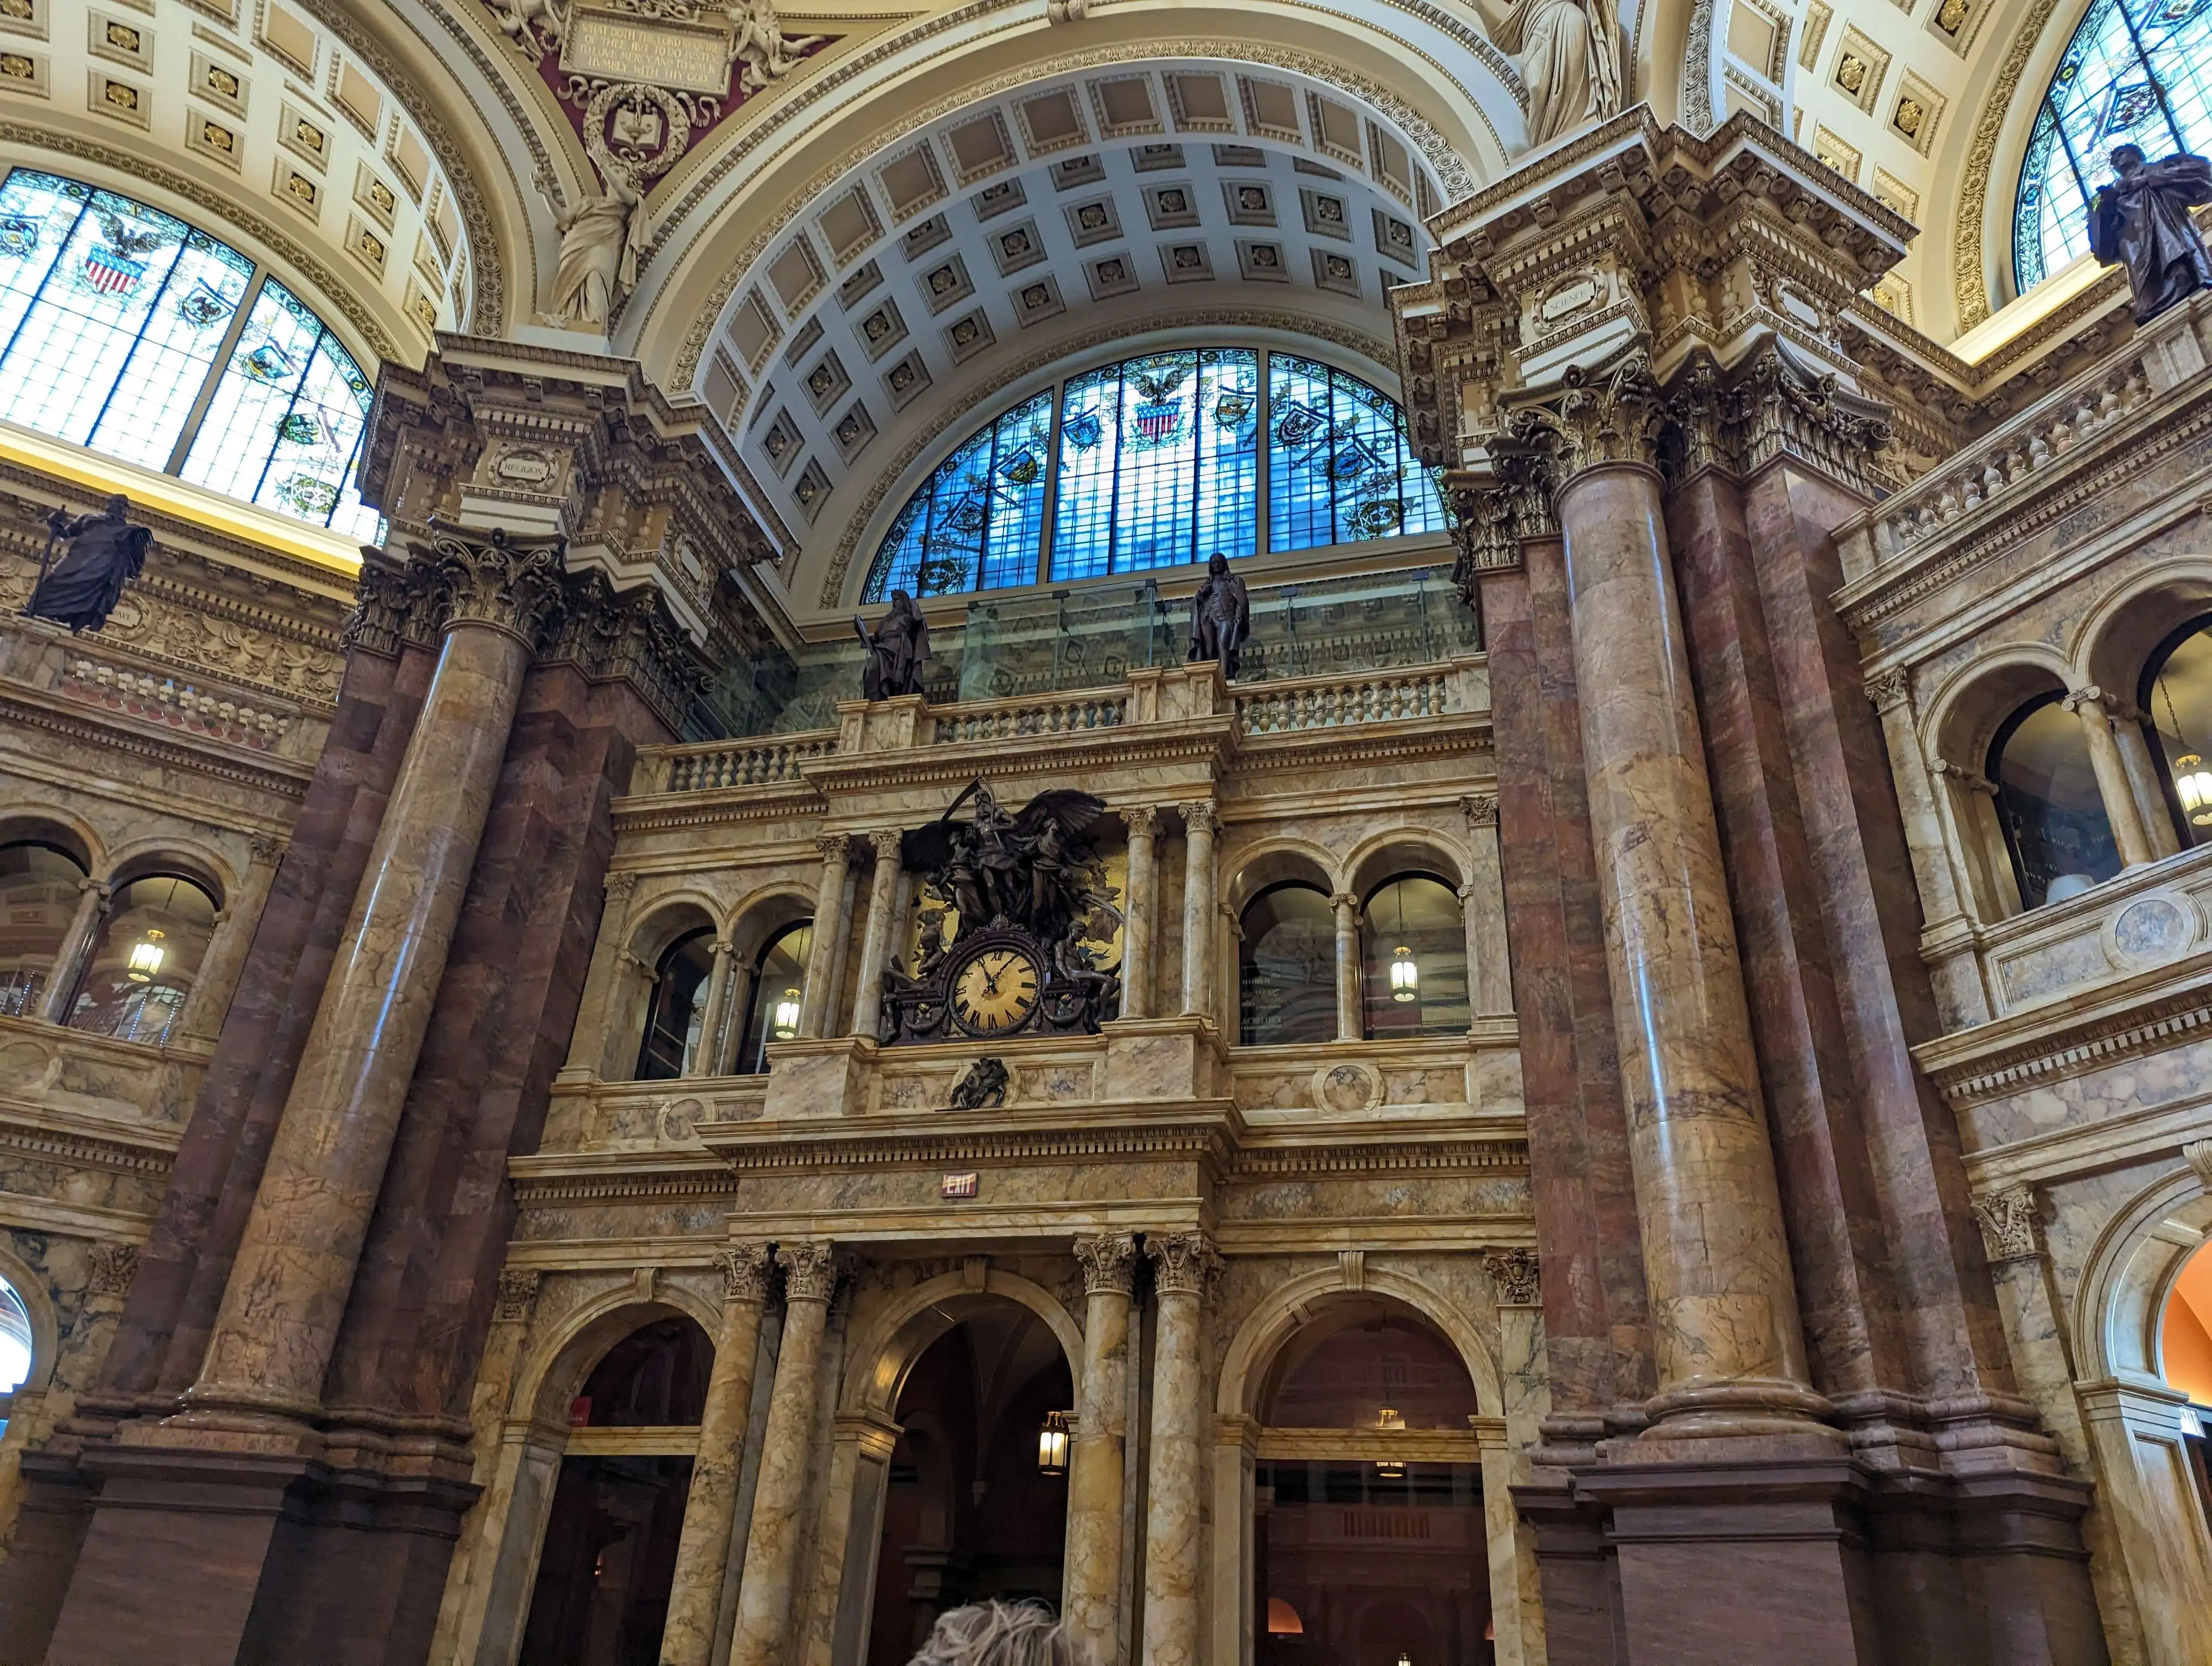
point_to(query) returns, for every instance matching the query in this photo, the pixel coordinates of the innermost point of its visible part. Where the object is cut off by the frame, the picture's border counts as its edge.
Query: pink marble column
(1346, 910)
(272, 1339)
(1182, 1264)
(710, 1510)
(1731, 1353)
(1095, 1473)
(765, 1596)
(829, 940)
(1140, 925)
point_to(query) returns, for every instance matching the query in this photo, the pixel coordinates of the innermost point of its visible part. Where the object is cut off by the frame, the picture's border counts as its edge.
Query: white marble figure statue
(1570, 59)
(599, 239)
(758, 42)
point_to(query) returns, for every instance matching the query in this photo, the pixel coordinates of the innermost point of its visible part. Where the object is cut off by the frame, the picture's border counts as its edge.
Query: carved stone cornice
(1515, 1274)
(630, 635)
(812, 1269)
(1109, 1262)
(747, 1270)
(1183, 1263)
(511, 583)
(2007, 1218)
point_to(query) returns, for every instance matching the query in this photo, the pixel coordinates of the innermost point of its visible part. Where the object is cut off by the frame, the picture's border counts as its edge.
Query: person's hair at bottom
(997, 1634)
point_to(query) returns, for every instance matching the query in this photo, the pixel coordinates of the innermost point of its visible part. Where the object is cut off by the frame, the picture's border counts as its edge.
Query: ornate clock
(995, 989)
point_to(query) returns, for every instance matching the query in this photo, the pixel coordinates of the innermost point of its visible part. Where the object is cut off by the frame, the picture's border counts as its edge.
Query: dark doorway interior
(968, 1514)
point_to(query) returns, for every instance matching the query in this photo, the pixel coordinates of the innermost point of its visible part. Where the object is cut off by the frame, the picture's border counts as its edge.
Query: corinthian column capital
(1606, 416)
(512, 584)
(1183, 1262)
(745, 1269)
(2007, 1221)
(811, 1269)
(1109, 1262)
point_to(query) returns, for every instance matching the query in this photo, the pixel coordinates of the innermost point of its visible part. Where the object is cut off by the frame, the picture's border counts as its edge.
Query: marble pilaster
(224, 962)
(2121, 810)
(766, 1594)
(1199, 882)
(829, 940)
(1140, 929)
(710, 1509)
(1482, 907)
(1092, 1587)
(55, 1000)
(876, 939)
(1346, 909)
(1729, 1351)
(273, 1338)
(702, 1062)
(2146, 780)
(1183, 1264)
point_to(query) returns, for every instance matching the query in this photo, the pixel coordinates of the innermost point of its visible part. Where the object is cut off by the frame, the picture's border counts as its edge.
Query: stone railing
(1333, 703)
(1096, 708)
(2013, 458)
(763, 762)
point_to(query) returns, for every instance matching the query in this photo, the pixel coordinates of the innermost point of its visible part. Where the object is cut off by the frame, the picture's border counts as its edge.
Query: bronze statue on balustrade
(1220, 617)
(105, 553)
(2142, 221)
(897, 650)
(1027, 897)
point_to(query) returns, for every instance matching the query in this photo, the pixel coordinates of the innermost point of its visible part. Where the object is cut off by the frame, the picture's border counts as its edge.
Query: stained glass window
(113, 317)
(1159, 463)
(2135, 71)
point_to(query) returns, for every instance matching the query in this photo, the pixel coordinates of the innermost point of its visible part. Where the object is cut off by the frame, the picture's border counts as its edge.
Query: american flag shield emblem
(1158, 422)
(111, 273)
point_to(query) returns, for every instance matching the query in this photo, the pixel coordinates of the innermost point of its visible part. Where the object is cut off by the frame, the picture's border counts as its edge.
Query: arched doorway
(1370, 1542)
(609, 1559)
(2186, 1358)
(970, 1509)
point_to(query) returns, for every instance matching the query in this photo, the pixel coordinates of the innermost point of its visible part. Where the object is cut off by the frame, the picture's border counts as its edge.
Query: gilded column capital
(1200, 817)
(267, 849)
(1183, 1262)
(517, 1295)
(1109, 1262)
(747, 1270)
(512, 584)
(1343, 902)
(2007, 1221)
(1972, 780)
(1480, 809)
(811, 1270)
(1515, 1274)
(1497, 513)
(2088, 696)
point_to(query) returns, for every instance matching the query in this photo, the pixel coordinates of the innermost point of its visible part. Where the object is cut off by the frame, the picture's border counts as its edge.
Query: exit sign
(957, 1185)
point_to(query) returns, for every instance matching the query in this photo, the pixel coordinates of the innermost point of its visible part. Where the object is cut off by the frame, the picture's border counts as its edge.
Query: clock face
(996, 991)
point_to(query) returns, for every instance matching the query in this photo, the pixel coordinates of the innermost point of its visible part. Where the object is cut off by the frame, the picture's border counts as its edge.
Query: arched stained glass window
(2135, 70)
(1156, 461)
(120, 330)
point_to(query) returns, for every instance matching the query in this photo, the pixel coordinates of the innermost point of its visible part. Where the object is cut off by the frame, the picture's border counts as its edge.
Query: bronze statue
(897, 649)
(2142, 221)
(1220, 617)
(105, 552)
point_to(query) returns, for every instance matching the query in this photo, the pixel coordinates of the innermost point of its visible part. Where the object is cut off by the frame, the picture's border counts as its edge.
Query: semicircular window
(1162, 460)
(2135, 71)
(128, 332)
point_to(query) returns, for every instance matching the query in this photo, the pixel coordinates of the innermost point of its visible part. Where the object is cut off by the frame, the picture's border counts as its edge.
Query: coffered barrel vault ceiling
(1083, 212)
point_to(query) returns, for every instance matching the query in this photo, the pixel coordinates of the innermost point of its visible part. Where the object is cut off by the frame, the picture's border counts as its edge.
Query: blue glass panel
(1340, 470)
(1090, 448)
(2101, 96)
(1228, 455)
(1021, 449)
(146, 413)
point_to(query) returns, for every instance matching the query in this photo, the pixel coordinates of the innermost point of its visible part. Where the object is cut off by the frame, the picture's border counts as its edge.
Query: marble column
(1482, 907)
(2146, 780)
(271, 1342)
(710, 1510)
(1730, 1351)
(702, 1060)
(224, 963)
(730, 1039)
(2121, 810)
(876, 939)
(1345, 908)
(1198, 907)
(1141, 921)
(766, 1594)
(1093, 1584)
(75, 947)
(1182, 1264)
(829, 941)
